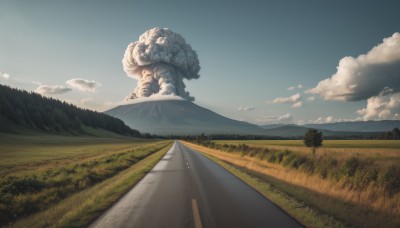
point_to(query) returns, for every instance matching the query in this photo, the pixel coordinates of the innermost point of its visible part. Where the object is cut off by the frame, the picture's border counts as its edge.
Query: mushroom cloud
(160, 60)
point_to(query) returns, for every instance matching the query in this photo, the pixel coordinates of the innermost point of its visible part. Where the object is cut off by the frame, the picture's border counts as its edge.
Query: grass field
(384, 150)
(350, 182)
(38, 172)
(369, 144)
(29, 152)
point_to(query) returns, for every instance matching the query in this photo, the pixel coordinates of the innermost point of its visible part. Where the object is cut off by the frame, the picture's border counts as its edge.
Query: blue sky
(250, 52)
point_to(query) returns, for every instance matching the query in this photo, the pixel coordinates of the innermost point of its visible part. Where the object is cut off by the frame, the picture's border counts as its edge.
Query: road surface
(186, 189)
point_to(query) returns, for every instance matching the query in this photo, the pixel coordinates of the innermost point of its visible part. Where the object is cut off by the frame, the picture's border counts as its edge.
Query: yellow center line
(196, 214)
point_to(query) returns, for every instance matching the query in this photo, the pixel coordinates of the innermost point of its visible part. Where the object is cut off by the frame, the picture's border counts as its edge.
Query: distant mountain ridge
(356, 126)
(182, 117)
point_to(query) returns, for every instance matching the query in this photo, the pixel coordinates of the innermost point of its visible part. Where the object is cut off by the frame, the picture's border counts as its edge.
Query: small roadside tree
(313, 139)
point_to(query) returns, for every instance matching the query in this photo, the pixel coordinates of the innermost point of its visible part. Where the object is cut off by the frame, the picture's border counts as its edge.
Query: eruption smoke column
(160, 60)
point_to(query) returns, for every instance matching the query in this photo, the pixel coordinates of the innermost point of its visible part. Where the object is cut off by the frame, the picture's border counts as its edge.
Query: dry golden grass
(386, 209)
(340, 149)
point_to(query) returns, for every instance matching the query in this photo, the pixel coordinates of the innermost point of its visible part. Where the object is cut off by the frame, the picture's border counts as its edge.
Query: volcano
(179, 117)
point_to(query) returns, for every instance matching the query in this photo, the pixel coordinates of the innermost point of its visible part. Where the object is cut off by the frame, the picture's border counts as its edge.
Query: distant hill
(359, 126)
(338, 128)
(298, 131)
(180, 117)
(27, 111)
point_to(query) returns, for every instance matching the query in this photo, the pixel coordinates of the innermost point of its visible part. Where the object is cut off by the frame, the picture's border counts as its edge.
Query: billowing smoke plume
(160, 60)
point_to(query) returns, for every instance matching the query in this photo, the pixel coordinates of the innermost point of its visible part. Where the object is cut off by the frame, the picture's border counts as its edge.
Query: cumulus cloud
(365, 76)
(383, 106)
(322, 120)
(311, 98)
(160, 60)
(37, 83)
(285, 118)
(83, 84)
(86, 100)
(297, 104)
(46, 89)
(292, 99)
(294, 87)
(248, 108)
(4, 75)
(154, 97)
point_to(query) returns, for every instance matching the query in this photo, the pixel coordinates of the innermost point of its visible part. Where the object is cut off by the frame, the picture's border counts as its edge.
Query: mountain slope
(21, 112)
(358, 126)
(179, 117)
(298, 131)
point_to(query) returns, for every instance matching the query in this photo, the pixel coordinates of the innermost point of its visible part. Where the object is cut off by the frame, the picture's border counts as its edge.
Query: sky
(264, 62)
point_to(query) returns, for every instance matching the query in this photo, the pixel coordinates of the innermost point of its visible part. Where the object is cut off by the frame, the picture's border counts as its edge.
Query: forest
(31, 110)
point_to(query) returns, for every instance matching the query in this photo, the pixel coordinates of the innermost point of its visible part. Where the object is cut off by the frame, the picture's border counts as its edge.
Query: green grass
(39, 172)
(82, 208)
(389, 144)
(29, 152)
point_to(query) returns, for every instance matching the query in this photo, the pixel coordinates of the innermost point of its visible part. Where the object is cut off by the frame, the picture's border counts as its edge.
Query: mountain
(21, 112)
(182, 117)
(179, 117)
(292, 130)
(358, 126)
(274, 126)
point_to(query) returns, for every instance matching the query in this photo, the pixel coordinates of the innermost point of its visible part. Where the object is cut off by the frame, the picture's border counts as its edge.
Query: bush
(263, 153)
(392, 179)
(26, 185)
(350, 166)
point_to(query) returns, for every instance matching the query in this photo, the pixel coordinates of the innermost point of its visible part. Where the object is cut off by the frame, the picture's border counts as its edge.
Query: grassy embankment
(356, 182)
(68, 181)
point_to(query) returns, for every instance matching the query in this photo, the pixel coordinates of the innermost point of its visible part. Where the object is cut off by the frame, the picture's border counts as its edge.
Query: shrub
(350, 166)
(25, 185)
(263, 152)
(392, 179)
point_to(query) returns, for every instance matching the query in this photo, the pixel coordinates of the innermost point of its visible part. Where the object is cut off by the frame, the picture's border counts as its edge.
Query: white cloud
(248, 108)
(294, 87)
(86, 100)
(297, 104)
(301, 122)
(292, 99)
(322, 120)
(311, 98)
(83, 84)
(285, 118)
(4, 75)
(331, 119)
(365, 76)
(383, 106)
(37, 83)
(46, 89)
(154, 97)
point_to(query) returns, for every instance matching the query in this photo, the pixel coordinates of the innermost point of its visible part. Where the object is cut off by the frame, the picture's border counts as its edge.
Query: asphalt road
(186, 189)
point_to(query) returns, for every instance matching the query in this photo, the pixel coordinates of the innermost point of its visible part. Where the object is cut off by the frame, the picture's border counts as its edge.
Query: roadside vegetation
(359, 189)
(39, 174)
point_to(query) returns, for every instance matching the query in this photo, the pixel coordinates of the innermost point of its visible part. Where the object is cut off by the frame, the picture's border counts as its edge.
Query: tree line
(390, 135)
(29, 109)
